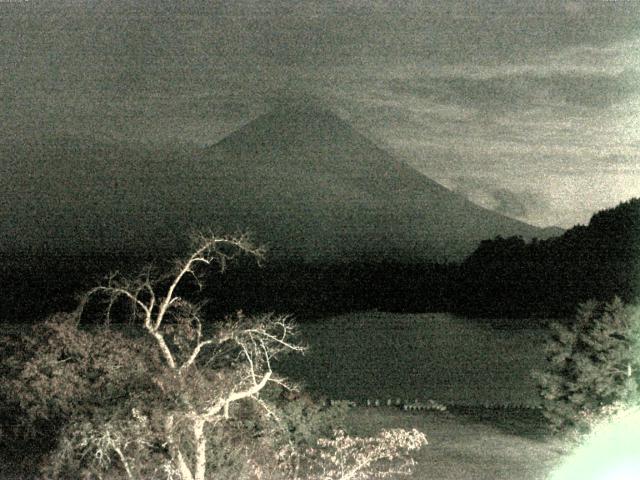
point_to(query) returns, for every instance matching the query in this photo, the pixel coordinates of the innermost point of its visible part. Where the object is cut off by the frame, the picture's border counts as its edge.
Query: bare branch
(286, 384)
(162, 344)
(266, 354)
(215, 409)
(124, 461)
(250, 391)
(185, 471)
(250, 360)
(115, 292)
(206, 252)
(195, 353)
(277, 340)
(266, 408)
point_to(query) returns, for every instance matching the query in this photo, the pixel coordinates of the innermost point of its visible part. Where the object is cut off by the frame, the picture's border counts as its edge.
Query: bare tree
(177, 329)
(191, 374)
(159, 400)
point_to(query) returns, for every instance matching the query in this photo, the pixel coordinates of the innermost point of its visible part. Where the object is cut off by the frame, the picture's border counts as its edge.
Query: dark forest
(503, 277)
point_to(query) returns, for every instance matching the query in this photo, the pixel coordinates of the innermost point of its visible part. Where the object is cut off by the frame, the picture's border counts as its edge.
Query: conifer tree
(591, 364)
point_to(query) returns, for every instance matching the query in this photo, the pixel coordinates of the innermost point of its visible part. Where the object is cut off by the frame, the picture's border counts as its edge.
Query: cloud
(523, 204)
(598, 90)
(525, 90)
(616, 163)
(515, 91)
(515, 204)
(588, 163)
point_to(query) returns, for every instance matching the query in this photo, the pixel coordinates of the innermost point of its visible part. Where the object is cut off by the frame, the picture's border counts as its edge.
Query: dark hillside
(508, 276)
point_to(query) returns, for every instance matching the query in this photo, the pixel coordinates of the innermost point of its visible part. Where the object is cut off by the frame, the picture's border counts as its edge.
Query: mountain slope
(348, 197)
(300, 178)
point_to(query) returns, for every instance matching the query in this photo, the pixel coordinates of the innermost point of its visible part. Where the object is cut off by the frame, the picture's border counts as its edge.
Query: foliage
(383, 456)
(513, 278)
(309, 419)
(592, 364)
(144, 403)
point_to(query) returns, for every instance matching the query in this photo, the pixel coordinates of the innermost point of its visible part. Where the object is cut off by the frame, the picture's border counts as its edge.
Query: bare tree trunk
(201, 449)
(176, 454)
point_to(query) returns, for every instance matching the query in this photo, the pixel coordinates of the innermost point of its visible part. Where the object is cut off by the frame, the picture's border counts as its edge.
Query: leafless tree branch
(246, 345)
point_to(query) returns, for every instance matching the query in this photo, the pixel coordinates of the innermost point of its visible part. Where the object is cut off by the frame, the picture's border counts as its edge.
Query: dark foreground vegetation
(463, 444)
(173, 397)
(503, 277)
(176, 398)
(68, 385)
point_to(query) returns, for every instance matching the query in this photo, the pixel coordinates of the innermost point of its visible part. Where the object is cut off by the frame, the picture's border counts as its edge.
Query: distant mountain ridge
(301, 179)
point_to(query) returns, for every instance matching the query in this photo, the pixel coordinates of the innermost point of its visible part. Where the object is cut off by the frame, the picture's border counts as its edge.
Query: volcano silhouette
(300, 179)
(323, 190)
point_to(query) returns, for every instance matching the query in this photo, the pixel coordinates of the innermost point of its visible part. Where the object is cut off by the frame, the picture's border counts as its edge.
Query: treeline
(311, 290)
(509, 277)
(503, 277)
(33, 290)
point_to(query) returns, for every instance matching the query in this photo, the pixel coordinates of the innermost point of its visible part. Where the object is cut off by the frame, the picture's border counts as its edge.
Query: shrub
(382, 456)
(591, 364)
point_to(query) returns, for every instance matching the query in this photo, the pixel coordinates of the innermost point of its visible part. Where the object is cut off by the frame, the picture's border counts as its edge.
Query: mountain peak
(304, 110)
(292, 127)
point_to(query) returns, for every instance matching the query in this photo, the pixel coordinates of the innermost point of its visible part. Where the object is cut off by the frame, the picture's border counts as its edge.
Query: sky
(530, 108)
